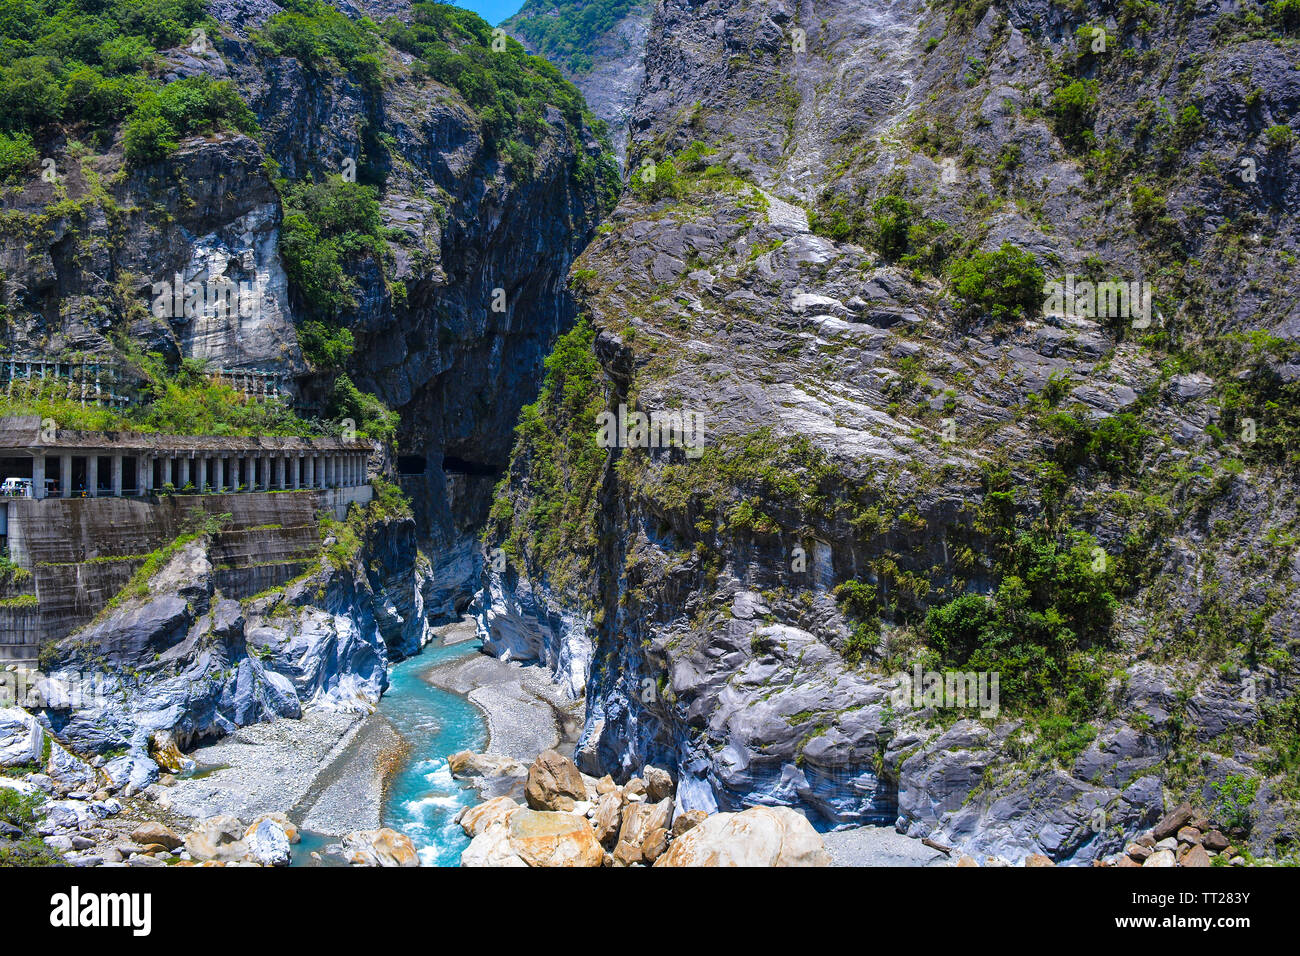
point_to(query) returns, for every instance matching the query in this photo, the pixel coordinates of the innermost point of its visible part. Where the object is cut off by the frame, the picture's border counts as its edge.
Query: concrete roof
(24, 432)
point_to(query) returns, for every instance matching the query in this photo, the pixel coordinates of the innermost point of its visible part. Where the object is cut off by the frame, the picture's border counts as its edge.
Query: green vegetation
(1074, 109)
(330, 228)
(1051, 607)
(558, 459)
(895, 228)
(189, 401)
(23, 811)
(87, 62)
(17, 154)
(323, 39)
(509, 89)
(197, 104)
(372, 417)
(1233, 809)
(564, 31)
(1003, 285)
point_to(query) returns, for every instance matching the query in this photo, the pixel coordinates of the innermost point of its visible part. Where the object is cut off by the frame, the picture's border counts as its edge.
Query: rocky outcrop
(181, 662)
(759, 836)
(21, 738)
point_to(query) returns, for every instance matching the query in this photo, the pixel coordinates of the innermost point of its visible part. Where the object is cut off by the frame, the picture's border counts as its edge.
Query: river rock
(554, 783)
(608, 816)
(759, 836)
(688, 821)
(281, 820)
(627, 854)
(22, 740)
(158, 833)
(476, 819)
(1161, 858)
(1215, 841)
(382, 847)
(219, 839)
(268, 844)
(492, 847)
(1195, 856)
(655, 844)
(469, 764)
(1038, 860)
(1172, 822)
(658, 783)
(546, 838)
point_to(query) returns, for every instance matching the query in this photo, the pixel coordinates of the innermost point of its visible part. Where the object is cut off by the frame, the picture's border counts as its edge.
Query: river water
(423, 797)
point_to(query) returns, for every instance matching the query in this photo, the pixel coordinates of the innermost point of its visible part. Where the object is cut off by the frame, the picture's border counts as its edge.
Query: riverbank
(279, 767)
(526, 712)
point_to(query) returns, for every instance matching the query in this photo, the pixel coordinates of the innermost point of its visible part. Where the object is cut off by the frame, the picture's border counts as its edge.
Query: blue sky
(493, 11)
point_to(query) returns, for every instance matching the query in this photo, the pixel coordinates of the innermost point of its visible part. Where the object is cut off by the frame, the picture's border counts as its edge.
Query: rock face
(693, 596)
(21, 738)
(616, 57)
(759, 836)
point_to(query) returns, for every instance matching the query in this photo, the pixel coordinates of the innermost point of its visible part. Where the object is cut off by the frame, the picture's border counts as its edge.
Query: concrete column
(297, 471)
(65, 476)
(219, 478)
(184, 478)
(117, 476)
(248, 472)
(167, 470)
(309, 471)
(92, 475)
(143, 475)
(279, 471)
(38, 475)
(267, 478)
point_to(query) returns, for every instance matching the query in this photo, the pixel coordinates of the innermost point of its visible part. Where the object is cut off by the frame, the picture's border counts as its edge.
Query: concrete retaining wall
(82, 551)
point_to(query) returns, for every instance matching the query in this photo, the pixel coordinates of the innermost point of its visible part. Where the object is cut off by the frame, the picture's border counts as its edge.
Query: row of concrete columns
(212, 472)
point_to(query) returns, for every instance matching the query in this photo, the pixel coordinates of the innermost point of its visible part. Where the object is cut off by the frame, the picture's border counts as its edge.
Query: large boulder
(607, 818)
(658, 782)
(474, 820)
(219, 839)
(281, 820)
(382, 847)
(268, 844)
(554, 783)
(491, 847)
(493, 775)
(164, 836)
(22, 741)
(759, 836)
(544, 838)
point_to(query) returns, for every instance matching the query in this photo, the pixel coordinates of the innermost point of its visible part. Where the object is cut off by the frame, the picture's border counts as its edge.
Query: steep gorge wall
(865, 423)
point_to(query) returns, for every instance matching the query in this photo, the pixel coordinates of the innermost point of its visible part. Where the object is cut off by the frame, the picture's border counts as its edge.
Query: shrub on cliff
(330, 227)
(1004, 284)
(196, 104)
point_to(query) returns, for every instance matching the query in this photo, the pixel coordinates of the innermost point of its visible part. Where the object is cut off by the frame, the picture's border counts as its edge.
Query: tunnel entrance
(459, 466)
